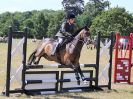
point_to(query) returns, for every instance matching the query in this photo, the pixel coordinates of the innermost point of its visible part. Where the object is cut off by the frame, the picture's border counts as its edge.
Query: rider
(65, 33)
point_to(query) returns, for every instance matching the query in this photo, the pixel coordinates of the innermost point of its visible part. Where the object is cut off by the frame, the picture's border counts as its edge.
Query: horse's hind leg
(37, 60)
(31, 60)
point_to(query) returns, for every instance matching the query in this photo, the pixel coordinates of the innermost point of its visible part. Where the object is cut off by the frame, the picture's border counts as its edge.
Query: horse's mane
(77, 32)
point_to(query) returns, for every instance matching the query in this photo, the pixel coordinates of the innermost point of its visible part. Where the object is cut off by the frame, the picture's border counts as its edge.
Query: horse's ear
(86, 28)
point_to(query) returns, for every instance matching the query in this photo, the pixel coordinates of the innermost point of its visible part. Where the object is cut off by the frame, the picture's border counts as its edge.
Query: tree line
(96, 14)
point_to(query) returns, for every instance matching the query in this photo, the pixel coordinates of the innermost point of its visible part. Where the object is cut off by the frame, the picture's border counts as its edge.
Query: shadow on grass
(73, 96)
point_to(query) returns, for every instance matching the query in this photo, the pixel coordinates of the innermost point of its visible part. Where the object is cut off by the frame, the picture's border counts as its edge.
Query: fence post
(8, 62)
(97, 57)
(24, 57)
(110, 61)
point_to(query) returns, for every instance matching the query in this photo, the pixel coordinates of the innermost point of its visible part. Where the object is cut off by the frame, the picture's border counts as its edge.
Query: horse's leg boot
(78, 80)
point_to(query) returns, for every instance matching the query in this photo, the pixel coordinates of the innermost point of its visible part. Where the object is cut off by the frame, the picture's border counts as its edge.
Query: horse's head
(84, 34)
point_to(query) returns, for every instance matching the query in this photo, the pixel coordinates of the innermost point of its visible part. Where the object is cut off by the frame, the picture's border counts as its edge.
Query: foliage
(41, 26)
(95, 7)
(55, 23)
(92, 9)
(46, 23)
(115, 19)
(73, 6)
(43, 23)
(83, 20)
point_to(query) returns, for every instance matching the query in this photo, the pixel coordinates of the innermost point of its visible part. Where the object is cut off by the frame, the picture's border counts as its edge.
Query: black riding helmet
(70, 16)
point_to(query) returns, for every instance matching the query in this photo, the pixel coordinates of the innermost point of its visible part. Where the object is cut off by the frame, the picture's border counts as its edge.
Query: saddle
(56, 45)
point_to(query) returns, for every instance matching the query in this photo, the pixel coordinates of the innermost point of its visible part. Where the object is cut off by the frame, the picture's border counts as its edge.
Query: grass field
(119, 91)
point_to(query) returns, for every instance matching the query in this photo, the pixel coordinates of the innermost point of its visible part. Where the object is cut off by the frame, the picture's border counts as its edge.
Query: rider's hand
(68, 34)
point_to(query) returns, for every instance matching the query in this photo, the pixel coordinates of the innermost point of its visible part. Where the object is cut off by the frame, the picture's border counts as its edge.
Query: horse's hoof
(28, 63)
(86, 82)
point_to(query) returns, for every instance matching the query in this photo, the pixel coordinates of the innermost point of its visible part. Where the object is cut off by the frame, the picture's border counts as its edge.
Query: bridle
(81, 40)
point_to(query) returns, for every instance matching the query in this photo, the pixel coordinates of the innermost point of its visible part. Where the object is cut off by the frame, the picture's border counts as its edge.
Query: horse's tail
(31, 58)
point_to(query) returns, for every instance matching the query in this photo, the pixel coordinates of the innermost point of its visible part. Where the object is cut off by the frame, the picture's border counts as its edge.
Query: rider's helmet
(70, 16)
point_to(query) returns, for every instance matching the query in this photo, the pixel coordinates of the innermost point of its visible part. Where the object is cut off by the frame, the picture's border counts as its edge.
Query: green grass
(119, 91)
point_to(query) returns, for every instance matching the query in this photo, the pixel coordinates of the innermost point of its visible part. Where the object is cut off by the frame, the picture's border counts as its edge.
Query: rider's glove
(68, 34)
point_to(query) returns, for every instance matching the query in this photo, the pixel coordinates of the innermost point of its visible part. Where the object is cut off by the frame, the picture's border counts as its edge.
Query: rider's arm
(63, 30)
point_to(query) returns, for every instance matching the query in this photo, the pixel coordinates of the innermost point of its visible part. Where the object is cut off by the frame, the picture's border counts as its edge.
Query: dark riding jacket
(66, 30)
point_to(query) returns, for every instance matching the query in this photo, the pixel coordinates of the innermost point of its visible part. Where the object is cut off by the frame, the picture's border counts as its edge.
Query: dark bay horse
(68, 55)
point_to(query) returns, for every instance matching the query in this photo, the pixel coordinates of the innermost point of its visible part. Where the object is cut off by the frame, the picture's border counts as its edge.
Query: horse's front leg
(76, 73)
(77, 76)
(81, 73)
(82, 76)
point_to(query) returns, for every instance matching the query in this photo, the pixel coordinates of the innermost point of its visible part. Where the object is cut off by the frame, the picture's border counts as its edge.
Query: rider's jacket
(66, 30)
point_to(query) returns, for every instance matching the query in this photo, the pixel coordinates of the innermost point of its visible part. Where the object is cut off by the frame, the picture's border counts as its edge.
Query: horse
(68, 55)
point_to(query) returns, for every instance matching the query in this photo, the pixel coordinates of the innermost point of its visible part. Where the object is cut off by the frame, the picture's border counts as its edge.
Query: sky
(28, 5)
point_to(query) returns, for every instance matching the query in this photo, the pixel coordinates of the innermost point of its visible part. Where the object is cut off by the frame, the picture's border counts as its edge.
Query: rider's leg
(60, 40)
(66, 41)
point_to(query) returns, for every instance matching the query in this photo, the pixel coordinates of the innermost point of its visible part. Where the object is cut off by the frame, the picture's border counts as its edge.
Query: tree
(41, 26)
(55, 22)
(83, 20)
(92, 9)
(115, 19)
(30, 24)
(73, 6)
(95, 7)
(5, 22)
